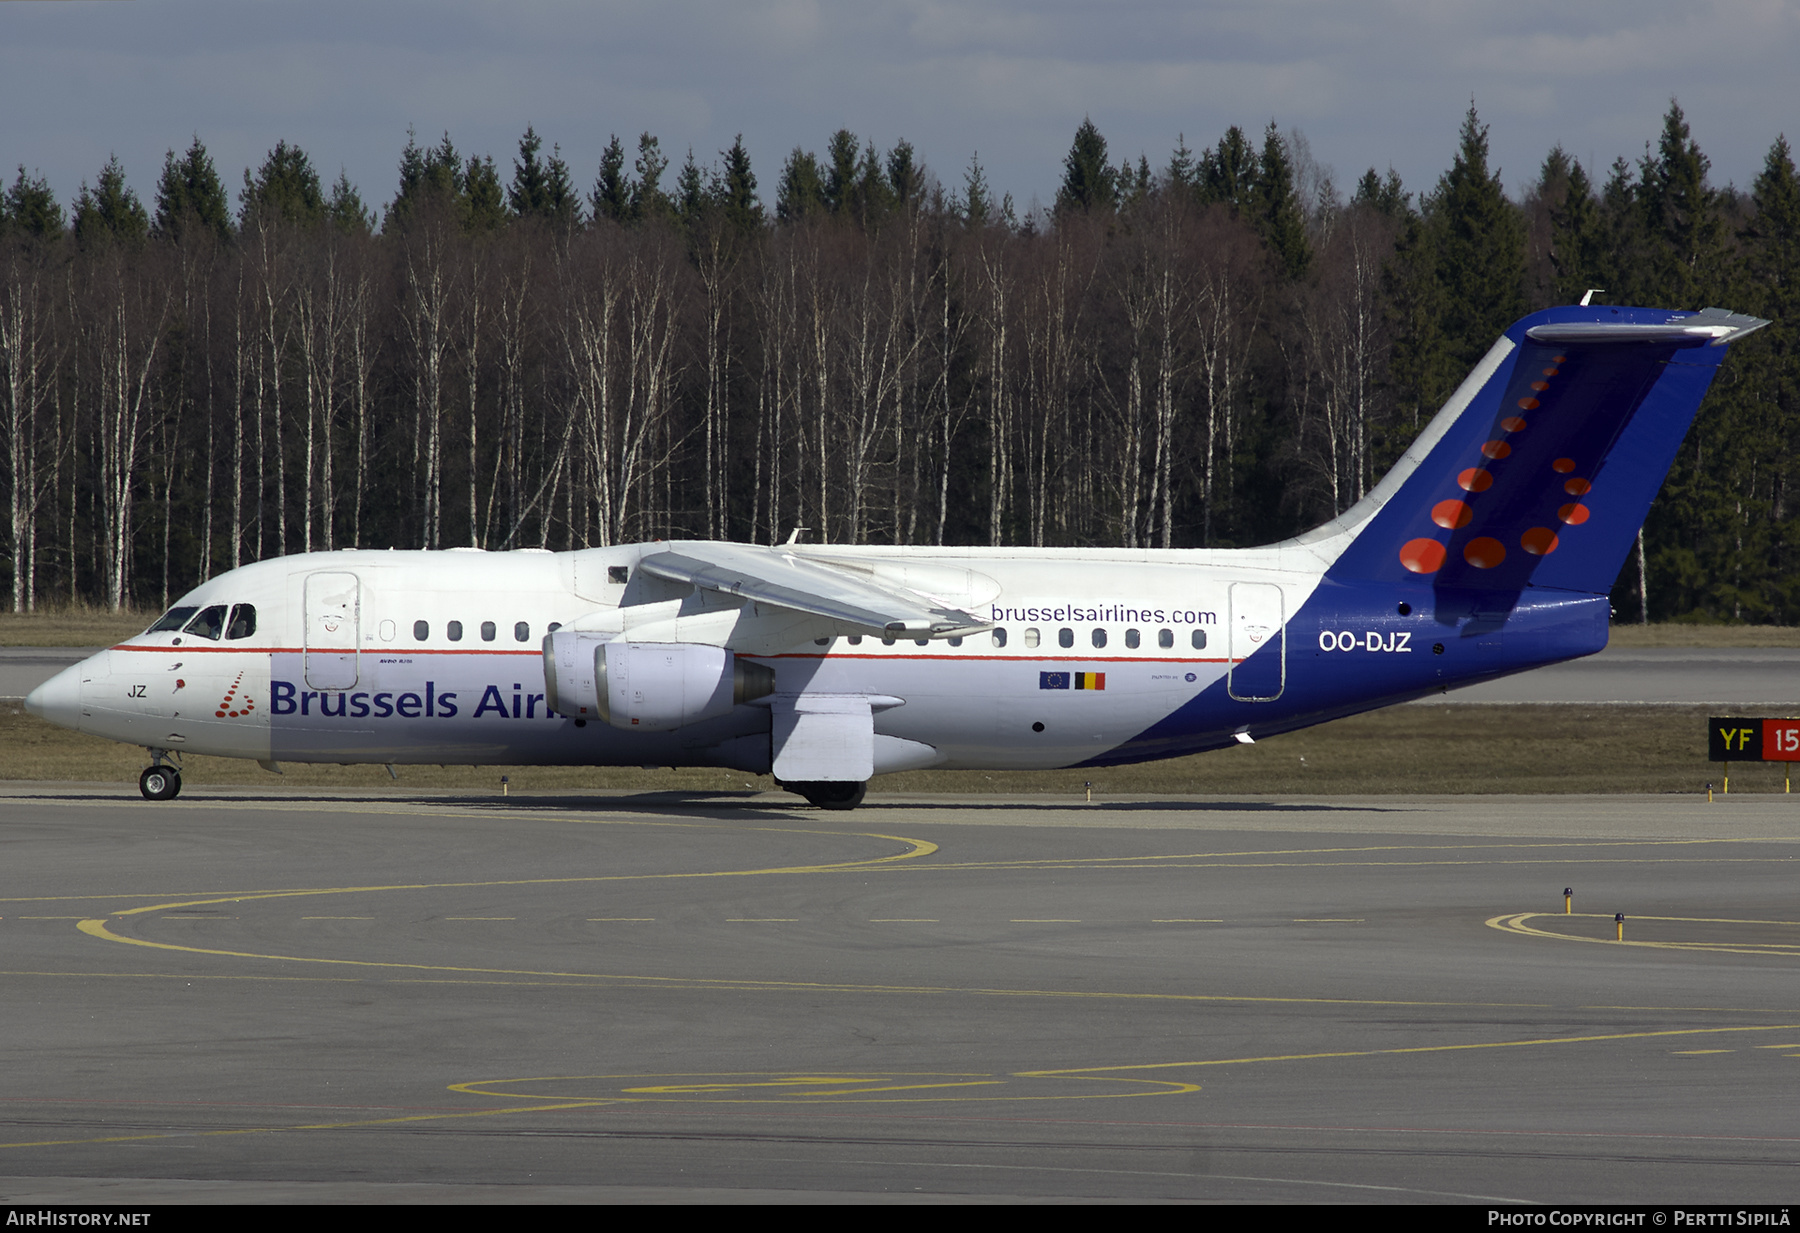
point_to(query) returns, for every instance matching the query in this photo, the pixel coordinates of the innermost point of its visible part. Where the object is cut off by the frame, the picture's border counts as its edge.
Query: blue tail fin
(1542, 474)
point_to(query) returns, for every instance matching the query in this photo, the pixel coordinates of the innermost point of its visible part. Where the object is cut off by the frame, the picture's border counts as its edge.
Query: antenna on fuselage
(1591, 293)
(794, 535)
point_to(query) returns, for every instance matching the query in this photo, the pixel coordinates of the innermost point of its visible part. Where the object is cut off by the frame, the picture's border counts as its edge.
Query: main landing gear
(160, 782)
(830, 795)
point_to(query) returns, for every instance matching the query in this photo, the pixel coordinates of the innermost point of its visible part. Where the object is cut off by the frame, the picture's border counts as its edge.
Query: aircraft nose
(59, 698)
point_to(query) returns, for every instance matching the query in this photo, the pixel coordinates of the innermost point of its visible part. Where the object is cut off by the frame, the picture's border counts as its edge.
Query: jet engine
(647, 686)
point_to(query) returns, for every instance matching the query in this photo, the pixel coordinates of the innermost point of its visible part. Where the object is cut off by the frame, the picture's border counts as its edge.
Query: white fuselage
(369, 656)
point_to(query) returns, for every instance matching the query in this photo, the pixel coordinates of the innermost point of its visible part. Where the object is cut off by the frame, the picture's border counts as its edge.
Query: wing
(772, 577)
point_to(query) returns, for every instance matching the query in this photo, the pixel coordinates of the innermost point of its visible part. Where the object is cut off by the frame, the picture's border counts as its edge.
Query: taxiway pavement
(268, 995)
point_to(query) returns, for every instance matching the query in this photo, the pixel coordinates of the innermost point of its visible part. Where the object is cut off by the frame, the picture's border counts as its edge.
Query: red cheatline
(1484, 552)
(1450, 515)
(1574, 515)
(1496, 449)
(1475, 480)
(1577, 487)
(1539, 541)
(1422, 556)
(1563, 465)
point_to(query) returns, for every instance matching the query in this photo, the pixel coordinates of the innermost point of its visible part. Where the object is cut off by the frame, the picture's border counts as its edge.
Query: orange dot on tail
(1574, 515)
(1451, 514)
(1422, 556)
(1539, 541)
(1484, 552)
(1559, 359)
(1513, 423)
(1576, 487)
(1563, 465)
(1540, 386)
(1475, 479)
(1496, 449)
(1549, 372)
(220, 714)
(1529, 404)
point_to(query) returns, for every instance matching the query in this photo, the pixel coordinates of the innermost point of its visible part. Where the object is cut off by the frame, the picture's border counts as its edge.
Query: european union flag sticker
(1053, 680)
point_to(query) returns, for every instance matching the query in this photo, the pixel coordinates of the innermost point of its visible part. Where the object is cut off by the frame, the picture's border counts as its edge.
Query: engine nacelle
(661, 686)
(569, 685)
(646, 686)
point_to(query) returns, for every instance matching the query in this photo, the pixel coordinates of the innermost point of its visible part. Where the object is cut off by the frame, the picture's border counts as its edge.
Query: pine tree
(611, 197)
(1386, 197)
(1574, 228)
(1681, 218)
(484, 201)
(30, 208)
(110, 211)
(1182, 174)
(737, 189)
(345, 208)
(1278, 218)
(801, 191)
(529, 194)
(1479, 242)
(977, 199)
(435, 175)
(1228, 174)
(905, 177)
(285, 188)
(692, 194)
(647, 199)
(190, 194)
(1089, 181)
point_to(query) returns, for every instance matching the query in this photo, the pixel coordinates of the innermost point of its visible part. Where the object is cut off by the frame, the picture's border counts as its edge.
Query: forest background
(1218, 352)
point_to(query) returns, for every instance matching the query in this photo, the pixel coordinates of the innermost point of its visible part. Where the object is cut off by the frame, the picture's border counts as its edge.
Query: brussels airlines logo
(225, 710)
(288, 699)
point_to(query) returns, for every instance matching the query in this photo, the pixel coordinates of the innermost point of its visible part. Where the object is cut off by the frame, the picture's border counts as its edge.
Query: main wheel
(831, 795)
(160, 783)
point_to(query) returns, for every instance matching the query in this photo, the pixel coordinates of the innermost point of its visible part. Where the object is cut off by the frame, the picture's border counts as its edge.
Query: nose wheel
(160, 783)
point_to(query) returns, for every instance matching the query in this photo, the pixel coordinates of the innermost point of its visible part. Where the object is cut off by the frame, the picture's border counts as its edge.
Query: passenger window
(618, 575)
(1031, 637)
(174, 618)
(421, 630)
(453, 631)
(921, 642)
(1199, 639)
(488, 631)
(1099, 638)
(855, 640)
(821, 642)
(1165, 638)
(243, 622)
(999, 637)
(1065, 637)
(210, 624)
(522, 631)
(888, 640)
(956, 641)
(1131, 639)
(555, 625)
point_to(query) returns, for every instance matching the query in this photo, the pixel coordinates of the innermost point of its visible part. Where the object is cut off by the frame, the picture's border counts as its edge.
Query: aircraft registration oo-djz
(1489, 549)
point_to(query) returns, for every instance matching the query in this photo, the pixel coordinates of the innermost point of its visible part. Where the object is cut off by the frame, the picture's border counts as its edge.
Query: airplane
(1489, 549)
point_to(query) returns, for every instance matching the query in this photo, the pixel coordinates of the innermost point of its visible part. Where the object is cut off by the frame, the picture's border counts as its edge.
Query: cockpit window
(243, 622)
(210, 624)
(174, 618)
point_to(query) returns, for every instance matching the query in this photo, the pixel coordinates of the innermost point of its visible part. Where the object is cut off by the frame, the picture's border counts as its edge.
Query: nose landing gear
(160, 782)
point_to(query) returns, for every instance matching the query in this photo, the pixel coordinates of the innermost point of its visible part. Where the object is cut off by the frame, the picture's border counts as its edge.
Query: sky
(1367, 82)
